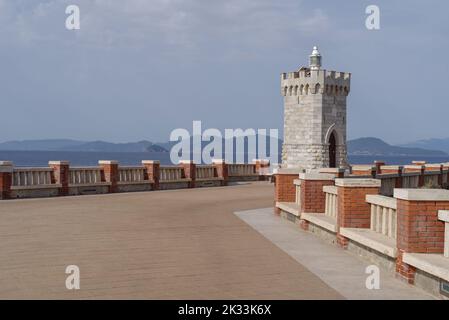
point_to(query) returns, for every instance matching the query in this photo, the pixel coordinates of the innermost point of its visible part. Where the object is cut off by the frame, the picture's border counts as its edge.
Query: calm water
(41, 158)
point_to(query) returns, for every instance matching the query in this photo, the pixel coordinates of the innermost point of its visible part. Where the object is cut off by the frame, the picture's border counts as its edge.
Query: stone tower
(314, 116)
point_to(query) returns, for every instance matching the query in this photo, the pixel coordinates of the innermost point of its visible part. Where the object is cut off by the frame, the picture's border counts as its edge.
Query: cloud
(190, 25)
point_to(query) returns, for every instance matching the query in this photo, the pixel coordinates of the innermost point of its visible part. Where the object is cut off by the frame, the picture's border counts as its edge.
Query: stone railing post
(262, 166)
(189, 171)
(61, 171)
(443, 215)
(153, 169)
(6, 170)
(111, 175)
(378, 164)
(418, 227)
(353, 210)
(222, 170)
(312, 197)
(284, 187)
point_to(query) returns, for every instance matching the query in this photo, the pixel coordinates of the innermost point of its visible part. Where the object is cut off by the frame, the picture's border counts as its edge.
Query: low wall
(402, 230)
(60, 179)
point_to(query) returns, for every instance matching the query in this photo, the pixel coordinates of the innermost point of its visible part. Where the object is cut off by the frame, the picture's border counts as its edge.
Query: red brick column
(262, 166)
(418, 228)
(313, 199)
(378, 164)
(393, 170)
(61, 171)
(111, 175)
(416, 168)
(6, 170)
(353, 210)
(222, 170)
(153, 168)
(189, 171)
(363, 170)
(284, 187)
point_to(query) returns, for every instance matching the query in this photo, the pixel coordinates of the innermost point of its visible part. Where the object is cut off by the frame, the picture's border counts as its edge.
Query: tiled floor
(182, 244)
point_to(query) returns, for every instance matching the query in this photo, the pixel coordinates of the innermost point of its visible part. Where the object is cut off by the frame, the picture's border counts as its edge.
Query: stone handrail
(205, 172)
(331, 204)
(171, 173)
(131, 174)
(383, 215)
(84, 175)
(22, 177)
(238, 169)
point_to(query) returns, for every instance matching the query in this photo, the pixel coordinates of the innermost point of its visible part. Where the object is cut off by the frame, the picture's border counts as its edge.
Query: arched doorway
(332, 151)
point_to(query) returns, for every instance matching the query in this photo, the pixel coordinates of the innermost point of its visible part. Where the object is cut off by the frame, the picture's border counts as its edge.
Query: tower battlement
(330, 82)
(315, 116)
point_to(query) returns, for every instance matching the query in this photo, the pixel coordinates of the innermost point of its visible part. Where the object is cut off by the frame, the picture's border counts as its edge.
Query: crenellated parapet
(306, 81)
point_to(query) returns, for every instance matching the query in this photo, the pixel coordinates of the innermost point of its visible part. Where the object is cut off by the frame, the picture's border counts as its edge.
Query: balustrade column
(6, 171)
(222, 170)
(111, 175)
(153, 168)
(61, 172)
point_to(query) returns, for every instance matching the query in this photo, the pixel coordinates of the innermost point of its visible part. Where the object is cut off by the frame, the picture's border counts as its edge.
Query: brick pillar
(61, 171)
(378, 164)
(416, 168)
(222, 170)
(363, 170)
(284, 187)
(153, 168)
(418, 228)
(397, 170)
(353, 210)
(6, 170)
(189, 171)
(111, 175)
(262, 166)
(313, 199)
(336, 172)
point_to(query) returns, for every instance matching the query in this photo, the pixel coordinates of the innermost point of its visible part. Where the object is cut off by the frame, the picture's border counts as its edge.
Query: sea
(41, 158)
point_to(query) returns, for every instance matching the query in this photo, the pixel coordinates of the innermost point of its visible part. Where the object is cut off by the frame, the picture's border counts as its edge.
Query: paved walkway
(338, 268)
(180, 244)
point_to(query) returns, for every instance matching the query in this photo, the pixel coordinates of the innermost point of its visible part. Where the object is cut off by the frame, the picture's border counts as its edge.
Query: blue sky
(139, 69)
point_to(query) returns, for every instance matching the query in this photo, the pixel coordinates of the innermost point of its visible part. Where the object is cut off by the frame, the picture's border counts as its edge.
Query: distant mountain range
(75, 145)
(363, 146)
(376, 147)
(431, 144)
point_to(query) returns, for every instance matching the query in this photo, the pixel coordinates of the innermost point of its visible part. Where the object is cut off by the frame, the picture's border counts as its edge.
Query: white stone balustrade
(171, 173)
(24, 177)
(410, 180)
(242, 169)
(383, 215)
(84, 175)
(331, 204)
(205, 172)
(131, 174)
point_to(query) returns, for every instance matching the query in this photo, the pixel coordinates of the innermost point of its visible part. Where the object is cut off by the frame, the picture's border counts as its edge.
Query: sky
(139, 69)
